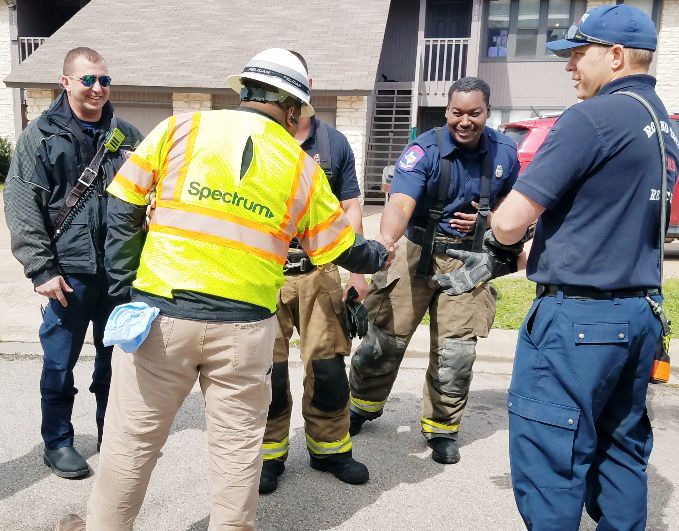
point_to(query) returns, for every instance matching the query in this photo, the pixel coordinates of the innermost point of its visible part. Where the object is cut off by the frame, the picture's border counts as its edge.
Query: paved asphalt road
(407, 490)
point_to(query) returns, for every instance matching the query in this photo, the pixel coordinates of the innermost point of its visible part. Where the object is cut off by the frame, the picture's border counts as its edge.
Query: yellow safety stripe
(328, 448)
(429, 426)
(214, 224)
(274, 450)
(367, 405)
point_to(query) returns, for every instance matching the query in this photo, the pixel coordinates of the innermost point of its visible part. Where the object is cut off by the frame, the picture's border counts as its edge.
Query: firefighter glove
(355, 316)
(494, 260)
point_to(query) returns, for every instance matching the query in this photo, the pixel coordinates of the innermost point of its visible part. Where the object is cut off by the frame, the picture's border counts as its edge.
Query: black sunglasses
(88, 80)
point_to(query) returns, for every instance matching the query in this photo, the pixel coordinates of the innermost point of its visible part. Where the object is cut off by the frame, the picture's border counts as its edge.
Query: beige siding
(544, 84)
(667, 57)
(399, 51)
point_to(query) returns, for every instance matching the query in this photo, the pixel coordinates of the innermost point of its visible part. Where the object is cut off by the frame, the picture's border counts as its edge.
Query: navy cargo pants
(62, 335)
(578, 428)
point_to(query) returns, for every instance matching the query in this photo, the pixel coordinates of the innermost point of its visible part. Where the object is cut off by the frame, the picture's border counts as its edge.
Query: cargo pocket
(337, 326)
(331, 386)
(154, 346)
(485, 313)
(75, 246)
(601, 333)
(543, 435)
(377, 300)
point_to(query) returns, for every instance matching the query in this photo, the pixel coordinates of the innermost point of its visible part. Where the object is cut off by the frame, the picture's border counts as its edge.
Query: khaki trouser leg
(324, 345)
(275, 444)
(235, 374)
(456, 323)
(147, 389)
(396, 303)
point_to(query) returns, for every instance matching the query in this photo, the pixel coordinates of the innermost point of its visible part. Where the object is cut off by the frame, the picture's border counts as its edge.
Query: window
(519, 29)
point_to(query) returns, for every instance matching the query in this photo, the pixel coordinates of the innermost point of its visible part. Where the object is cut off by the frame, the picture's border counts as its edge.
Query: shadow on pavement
(394, 451)
(22, 472)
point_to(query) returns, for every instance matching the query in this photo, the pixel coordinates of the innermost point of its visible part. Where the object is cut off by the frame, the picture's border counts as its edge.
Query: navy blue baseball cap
(609, 25)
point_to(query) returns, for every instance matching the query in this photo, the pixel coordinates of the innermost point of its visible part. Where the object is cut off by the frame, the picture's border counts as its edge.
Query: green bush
(5, 157)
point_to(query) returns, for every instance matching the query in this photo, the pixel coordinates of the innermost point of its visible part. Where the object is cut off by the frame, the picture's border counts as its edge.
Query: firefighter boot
(444, 450)
(268, 481)
(342, 466)
(356, 422)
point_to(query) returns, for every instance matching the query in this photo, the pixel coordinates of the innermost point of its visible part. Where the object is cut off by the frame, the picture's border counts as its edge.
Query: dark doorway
(448, 19)
(430, 117)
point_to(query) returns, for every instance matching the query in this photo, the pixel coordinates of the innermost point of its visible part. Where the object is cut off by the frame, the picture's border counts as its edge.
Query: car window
(517, 134)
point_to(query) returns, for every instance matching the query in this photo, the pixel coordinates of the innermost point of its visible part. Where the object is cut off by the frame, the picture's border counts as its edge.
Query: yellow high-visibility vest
(214, 232)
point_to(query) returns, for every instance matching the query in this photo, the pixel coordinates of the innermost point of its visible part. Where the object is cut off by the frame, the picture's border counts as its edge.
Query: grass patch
(515, 295)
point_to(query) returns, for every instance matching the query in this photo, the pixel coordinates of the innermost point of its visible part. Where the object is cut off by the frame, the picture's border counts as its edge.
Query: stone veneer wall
(6, 93)
(667, 56)
(352, 120)
(37, 100)
(190, 102)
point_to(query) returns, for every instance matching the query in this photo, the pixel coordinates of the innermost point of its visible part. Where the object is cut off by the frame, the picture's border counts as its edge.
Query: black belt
(581, 292)
(297, 262)
(441, 243)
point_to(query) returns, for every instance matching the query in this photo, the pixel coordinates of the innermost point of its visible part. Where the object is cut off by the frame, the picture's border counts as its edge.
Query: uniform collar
(450, 147)
(312, 133)
(627, 82)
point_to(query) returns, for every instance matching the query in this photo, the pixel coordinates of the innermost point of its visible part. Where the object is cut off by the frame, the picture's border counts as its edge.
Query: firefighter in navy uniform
(311, 301)
(578, 427)
(440, 180)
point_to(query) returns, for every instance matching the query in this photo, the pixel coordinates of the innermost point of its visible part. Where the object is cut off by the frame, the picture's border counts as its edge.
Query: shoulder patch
(410, 158)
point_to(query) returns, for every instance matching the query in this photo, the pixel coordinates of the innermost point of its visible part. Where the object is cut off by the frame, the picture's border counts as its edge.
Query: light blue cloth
(129, 324)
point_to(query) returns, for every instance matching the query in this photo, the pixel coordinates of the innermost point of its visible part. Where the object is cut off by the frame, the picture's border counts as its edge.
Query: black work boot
(444, 450)
(268, 481)
(342, 466)
(356, 422)
(66, 462)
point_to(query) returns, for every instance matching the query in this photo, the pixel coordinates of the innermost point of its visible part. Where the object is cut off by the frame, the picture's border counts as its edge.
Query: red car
(529, 134)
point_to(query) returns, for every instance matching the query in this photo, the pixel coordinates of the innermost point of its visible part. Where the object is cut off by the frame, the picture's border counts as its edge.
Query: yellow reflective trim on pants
(328, 448)
(367, 405)
(429, 426)
(274, 450)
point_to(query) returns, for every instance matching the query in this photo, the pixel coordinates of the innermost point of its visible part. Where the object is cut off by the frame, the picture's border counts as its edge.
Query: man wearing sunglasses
(578, 428)
(50, 157)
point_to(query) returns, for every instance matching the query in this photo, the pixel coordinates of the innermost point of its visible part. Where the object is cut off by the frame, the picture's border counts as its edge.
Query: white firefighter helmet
(278, 68)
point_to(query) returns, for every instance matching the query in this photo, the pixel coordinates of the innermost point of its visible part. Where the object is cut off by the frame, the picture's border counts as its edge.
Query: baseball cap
(609, 25)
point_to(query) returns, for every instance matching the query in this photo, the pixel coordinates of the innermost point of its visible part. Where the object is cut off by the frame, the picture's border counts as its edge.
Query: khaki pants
(397, 301)
(312, 303)
(232, 362)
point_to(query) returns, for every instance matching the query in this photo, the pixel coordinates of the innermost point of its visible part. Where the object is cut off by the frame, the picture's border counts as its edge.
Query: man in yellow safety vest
(232, 189)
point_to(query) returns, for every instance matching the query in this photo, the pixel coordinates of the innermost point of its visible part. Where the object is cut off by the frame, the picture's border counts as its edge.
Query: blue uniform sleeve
(511, 180)
(411, 172)
(571, 149)
(346, 167)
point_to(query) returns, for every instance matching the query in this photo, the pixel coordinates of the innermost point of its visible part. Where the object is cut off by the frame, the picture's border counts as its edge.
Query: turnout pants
(397, 302)
(578, 428)
(312, 303)
(232, 362)
(62, 335)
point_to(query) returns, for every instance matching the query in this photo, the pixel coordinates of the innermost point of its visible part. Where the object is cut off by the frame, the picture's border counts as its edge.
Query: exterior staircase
(389, 134)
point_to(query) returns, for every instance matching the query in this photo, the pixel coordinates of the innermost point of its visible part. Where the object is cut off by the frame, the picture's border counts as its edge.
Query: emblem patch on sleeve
(409, 158)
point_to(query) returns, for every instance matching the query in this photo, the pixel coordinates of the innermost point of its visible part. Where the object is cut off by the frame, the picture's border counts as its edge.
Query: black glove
(355, 315)
(495, 260)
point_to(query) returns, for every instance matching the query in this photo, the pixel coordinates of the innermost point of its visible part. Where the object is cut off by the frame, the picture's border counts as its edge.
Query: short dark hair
(301, 60)
(86, 53)
(469, 84)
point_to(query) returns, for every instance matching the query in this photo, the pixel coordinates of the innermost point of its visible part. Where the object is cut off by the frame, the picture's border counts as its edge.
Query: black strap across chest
(441, 200)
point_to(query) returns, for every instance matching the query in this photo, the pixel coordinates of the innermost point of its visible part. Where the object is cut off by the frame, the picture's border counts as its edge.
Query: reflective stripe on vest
(215, 232)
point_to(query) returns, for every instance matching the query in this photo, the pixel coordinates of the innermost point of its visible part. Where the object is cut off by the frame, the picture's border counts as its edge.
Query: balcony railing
(444, 61)
(27, 45)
